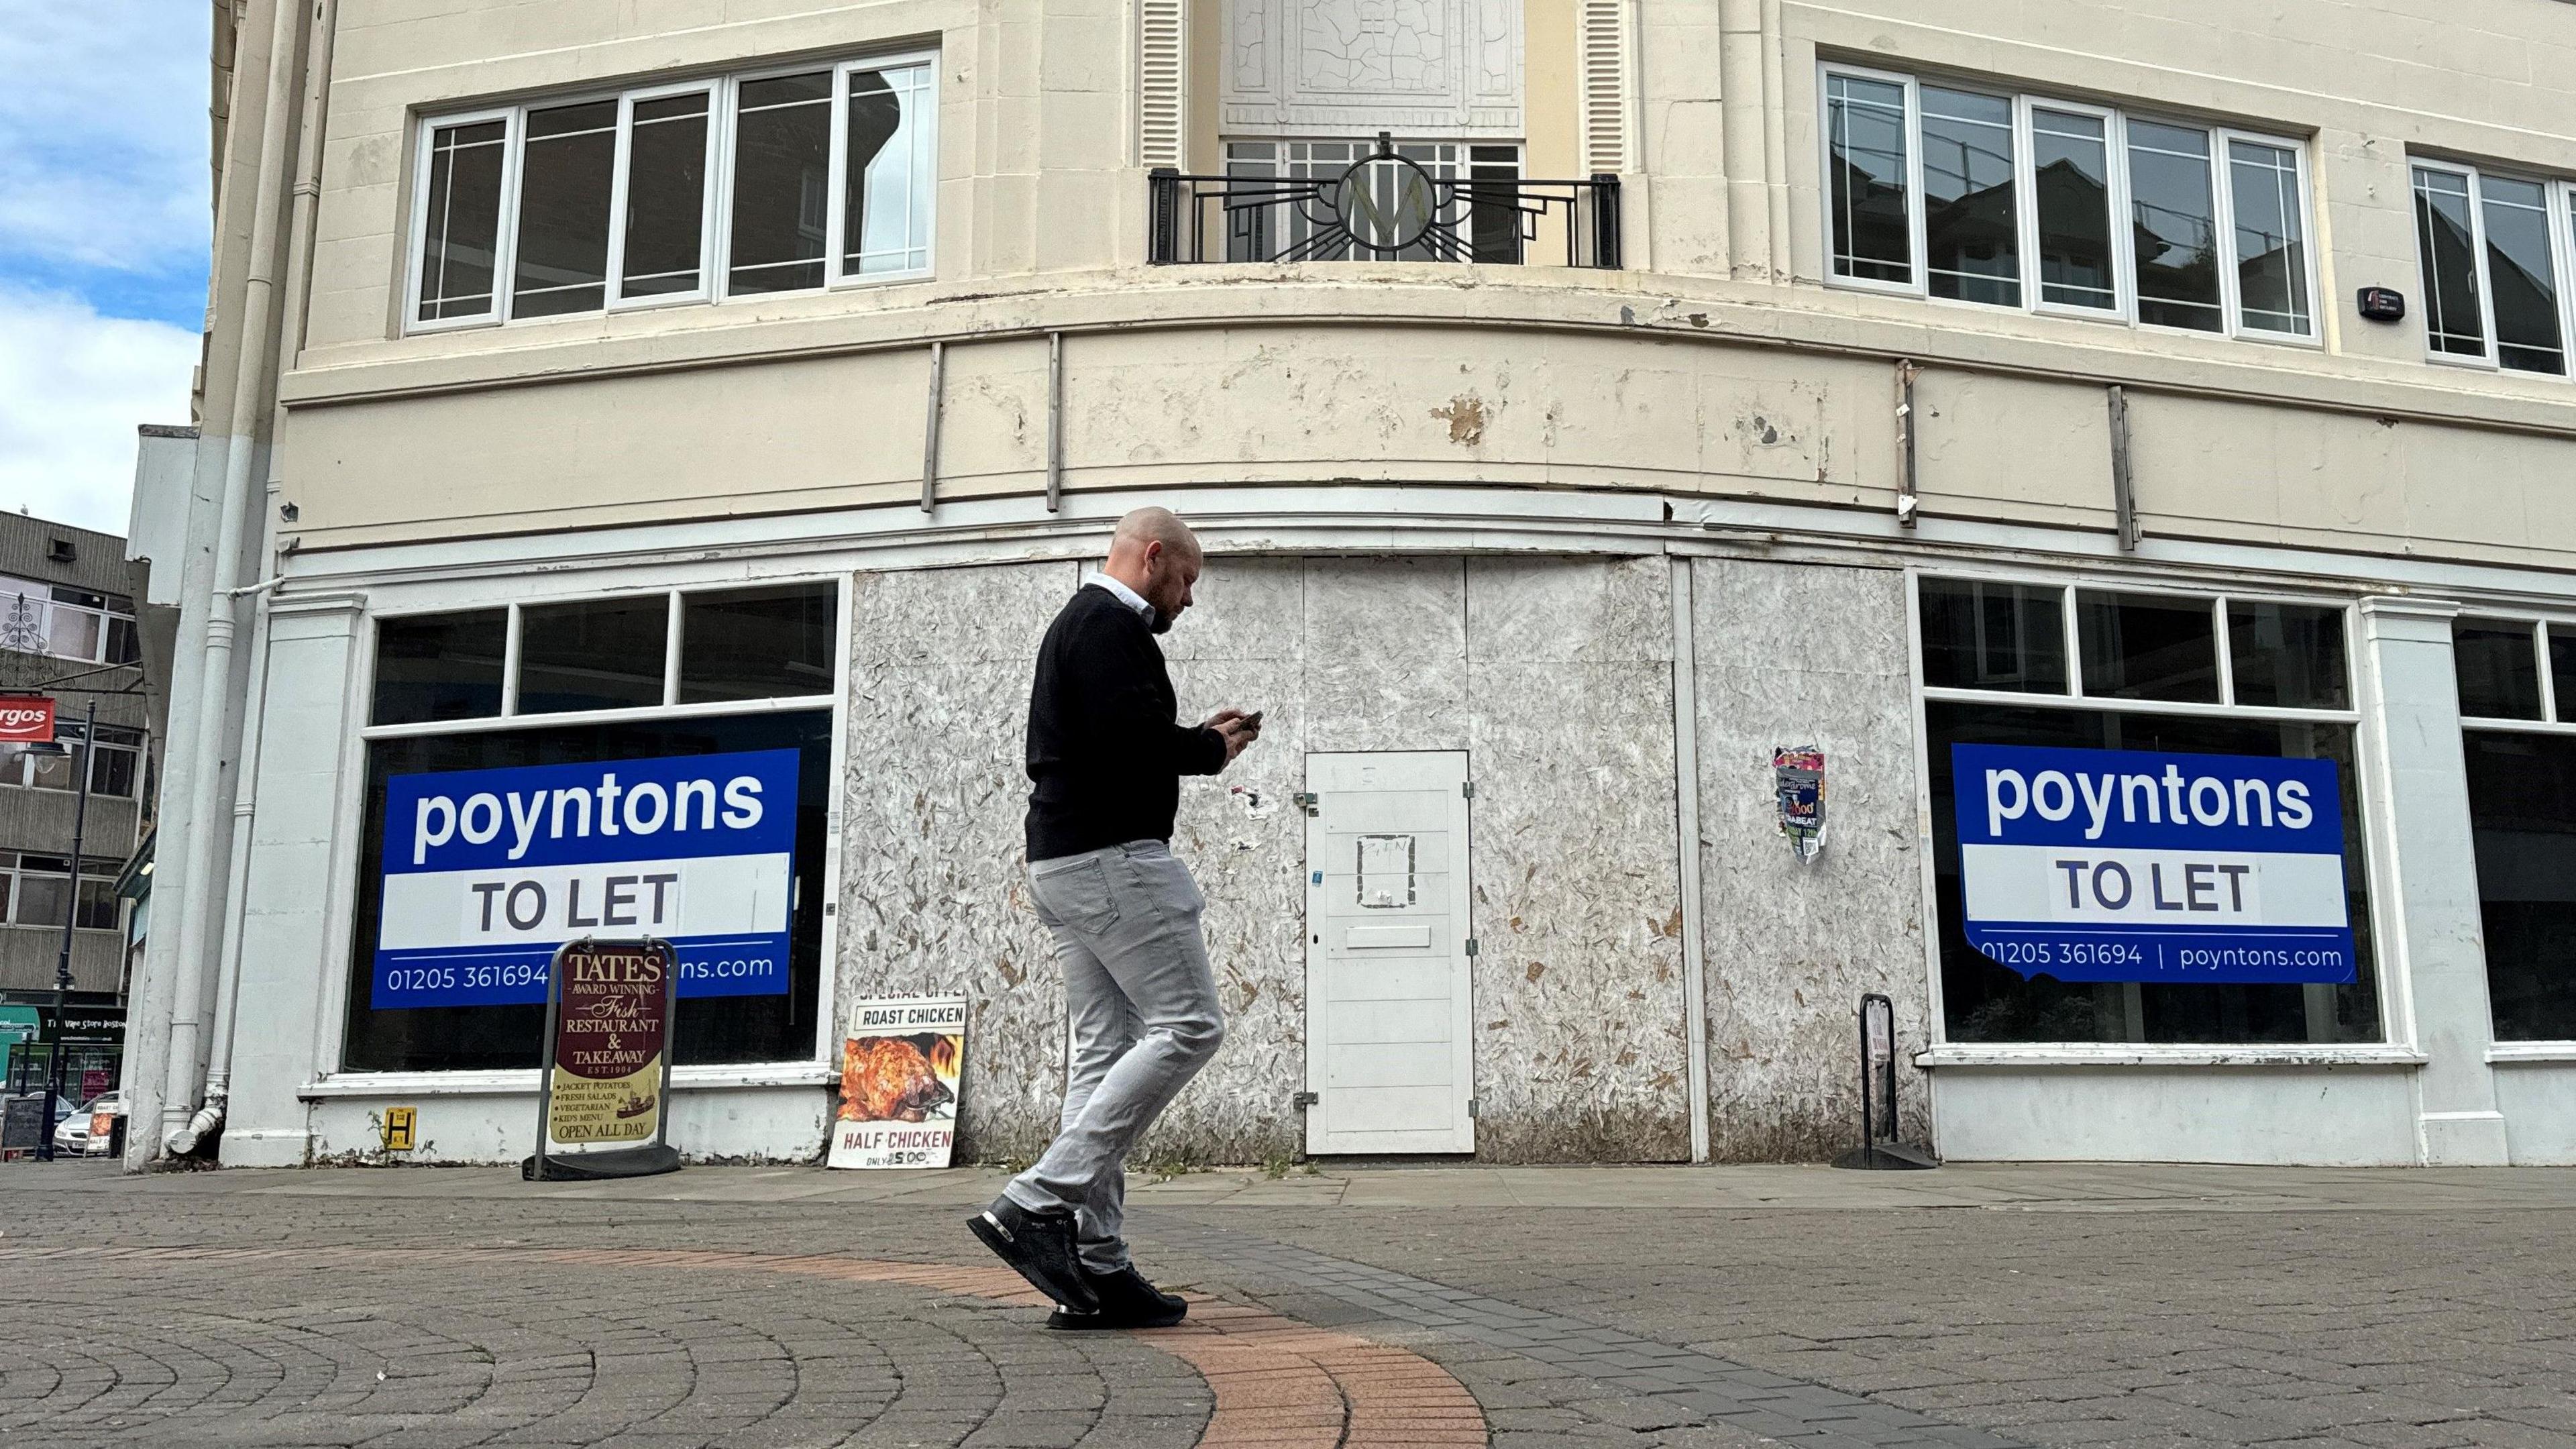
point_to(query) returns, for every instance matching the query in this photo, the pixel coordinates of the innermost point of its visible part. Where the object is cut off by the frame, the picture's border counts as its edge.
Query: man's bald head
(1155, 554)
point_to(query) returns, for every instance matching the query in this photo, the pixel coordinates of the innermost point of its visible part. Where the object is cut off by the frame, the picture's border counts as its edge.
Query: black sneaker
(1040, 1247)
(1127, 1300)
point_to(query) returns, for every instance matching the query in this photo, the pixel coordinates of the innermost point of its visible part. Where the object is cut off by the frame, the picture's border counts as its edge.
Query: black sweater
(1104, 749)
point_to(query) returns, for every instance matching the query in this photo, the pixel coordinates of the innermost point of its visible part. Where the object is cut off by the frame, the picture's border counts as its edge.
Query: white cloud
(103, 133)
(73, 387)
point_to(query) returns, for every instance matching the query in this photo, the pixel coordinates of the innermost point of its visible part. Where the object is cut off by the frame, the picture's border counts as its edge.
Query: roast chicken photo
(892, 1079)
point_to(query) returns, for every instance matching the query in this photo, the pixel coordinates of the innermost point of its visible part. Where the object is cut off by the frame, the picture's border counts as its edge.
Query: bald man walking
(1106, 755)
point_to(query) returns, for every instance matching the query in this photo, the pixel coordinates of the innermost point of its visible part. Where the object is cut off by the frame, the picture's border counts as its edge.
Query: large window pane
(2522, 275)
(886, 212)
(73, 633)
(2071, 163)
(2446, 241)
(765, 1028)
(440, 666)
(55, 769)
(782, 150)
(1980, 635)
(1972, 240)
(2287, 656)
(1865, 133)
(2271, 241)
(2562, 674)
(2522, 808)
(757, 643)
(564, 172)
(606, 654)
(1493, 229)
(2173, 221)
(42, 899)
(111, 772)
(666, 197)
(461, 234)
(2140, 646)
(2498, 667)
(97, 904)
(1987, 1002)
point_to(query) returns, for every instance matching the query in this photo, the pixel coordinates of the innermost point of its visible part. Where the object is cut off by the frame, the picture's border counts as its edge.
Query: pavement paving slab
(1977, 1307)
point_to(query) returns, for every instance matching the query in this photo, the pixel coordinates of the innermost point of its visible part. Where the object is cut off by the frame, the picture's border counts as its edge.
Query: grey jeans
(1142, 1005)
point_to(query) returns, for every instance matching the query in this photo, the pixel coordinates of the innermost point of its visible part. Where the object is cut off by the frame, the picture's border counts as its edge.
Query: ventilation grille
(1605, 85)
(1161, 66)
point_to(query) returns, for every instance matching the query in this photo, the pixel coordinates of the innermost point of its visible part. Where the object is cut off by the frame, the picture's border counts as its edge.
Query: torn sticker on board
(1798, 782)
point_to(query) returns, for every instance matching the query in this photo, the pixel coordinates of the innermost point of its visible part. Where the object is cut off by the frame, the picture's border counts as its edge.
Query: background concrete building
(68, 632)
(1581, 400)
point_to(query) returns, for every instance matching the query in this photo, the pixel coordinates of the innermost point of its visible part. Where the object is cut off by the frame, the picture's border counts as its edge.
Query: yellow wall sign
(402, 1125)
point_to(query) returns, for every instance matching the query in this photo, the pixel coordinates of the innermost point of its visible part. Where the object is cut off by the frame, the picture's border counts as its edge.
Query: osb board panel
(1554, 675)
(1582, 1050)
(1800, 655)
(933, 896)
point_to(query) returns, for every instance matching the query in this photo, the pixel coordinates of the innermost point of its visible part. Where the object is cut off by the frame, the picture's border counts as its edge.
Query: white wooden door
(1389, 1013)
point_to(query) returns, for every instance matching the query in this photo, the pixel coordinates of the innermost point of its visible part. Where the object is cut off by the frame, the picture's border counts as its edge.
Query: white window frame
(2551, 722)
(17, 873)
(2222, 139)
(40, 597)
(2395, 1043)
(2558, 198)
(715, 234)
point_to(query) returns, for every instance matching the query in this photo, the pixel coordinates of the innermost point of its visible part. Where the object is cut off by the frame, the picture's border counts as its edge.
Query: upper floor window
(2076, 210)
(67, 623)
(743, 185)
(2493, 254)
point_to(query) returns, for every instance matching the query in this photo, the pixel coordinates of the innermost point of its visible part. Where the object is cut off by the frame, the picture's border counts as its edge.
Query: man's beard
(1162, 622)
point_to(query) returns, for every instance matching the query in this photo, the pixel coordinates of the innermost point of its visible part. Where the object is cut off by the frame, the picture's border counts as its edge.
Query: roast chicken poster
(899, 1069)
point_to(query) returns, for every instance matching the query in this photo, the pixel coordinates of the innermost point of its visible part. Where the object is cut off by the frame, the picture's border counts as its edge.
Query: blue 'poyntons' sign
(487, 871)
(2130, 865)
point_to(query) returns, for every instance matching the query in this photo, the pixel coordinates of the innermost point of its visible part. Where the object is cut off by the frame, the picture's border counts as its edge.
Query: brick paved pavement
(1971, 1307)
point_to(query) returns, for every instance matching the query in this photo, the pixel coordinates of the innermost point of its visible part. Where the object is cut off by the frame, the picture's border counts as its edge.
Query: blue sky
(103, 226)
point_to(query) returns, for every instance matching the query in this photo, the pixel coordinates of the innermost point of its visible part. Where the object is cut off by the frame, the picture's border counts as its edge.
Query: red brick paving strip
(1279, 1384)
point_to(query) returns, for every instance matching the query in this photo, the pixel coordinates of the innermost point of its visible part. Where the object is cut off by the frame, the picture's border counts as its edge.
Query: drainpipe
(299, 270)
(197, 905)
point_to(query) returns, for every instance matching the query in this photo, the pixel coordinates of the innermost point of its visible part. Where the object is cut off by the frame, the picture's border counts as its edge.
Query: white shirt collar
(1122, 594)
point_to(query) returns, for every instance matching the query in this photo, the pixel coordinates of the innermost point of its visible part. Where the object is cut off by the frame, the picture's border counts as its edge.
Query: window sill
(523, 1082)
(2507, 1053)
(2090, 1054)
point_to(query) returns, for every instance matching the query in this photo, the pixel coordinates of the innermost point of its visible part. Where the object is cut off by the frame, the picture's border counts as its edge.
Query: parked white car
(73, 1135)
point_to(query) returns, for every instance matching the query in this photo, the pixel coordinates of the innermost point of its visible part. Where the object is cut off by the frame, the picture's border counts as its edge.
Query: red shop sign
(26, 719)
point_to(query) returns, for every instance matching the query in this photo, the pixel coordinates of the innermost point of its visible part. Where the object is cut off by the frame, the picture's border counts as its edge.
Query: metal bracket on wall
(1907, 499)
(930, 428)
(1303, 1100)
(2124, 499)
(1055, 422)
(1305, 801)
(1467, 789)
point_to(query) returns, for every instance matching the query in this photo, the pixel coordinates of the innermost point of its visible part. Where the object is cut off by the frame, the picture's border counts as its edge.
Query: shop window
(707, 189)
(771, 642)
(452, 1002)
(2522, 810)
(757, 643)
(439, 666)
(2271, 726)
(2498, 669)
(1927, 193)
(2494, 267)
(602, 654)
(1983, 634)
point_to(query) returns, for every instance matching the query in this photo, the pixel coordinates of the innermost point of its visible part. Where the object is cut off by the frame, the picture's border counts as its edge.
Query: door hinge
(1471, 1107)
(1305, 800)
(1303, 1100)
(1467, 789)
(1471, 945)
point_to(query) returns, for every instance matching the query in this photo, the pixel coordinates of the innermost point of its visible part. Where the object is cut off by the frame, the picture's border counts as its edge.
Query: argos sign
(2131, 865)
(487, 871)
(26, 719)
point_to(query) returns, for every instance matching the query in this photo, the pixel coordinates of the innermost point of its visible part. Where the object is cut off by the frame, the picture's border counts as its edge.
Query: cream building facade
(1581, 400)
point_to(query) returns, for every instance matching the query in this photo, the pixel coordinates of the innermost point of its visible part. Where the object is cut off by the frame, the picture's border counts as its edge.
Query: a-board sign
(606, 1082)
(2138, 865)
(22, 1124)
(899, 1070)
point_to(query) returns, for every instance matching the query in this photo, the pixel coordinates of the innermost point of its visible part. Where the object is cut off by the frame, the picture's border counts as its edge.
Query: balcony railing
(1410, 203)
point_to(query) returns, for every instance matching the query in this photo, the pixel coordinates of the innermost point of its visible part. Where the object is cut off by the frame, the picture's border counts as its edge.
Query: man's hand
(1236, 728)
